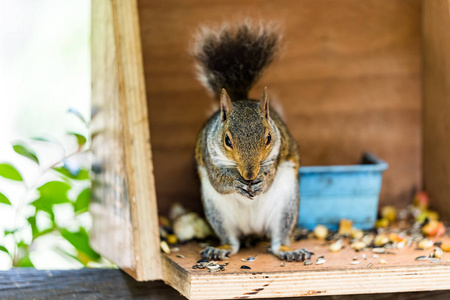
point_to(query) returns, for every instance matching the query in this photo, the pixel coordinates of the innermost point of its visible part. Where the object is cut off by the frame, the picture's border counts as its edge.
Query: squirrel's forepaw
(292, 255)
(215, 253)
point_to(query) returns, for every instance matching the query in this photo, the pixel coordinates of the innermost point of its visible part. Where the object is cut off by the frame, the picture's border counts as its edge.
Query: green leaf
(6, 232)
(83, 174)
(81, 139)
(52, 192)
(9, 172)
(4, 199)
(25, 151)
(80, 240)
(83, 199)
(2, 248)
(32, 221)
(25, 262)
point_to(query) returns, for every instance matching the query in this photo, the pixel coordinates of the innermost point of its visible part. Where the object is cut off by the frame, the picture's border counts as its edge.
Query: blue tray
(331, 193)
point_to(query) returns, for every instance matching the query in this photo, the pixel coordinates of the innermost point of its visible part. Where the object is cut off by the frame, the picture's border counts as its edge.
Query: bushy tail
(234, 57)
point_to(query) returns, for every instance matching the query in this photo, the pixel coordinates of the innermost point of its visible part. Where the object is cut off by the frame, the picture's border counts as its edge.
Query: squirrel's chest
(259, 215)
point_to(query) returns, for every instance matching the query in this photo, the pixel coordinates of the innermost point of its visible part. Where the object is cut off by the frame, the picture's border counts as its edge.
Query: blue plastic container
(331, 193)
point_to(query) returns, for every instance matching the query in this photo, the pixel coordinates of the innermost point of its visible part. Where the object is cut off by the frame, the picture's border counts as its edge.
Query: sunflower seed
(245, 267)
(423, 257)
(282, 264)
(435, 260)
(370, 264)
(320, 261)
(180, 256)
(355, 262)
(307, 262)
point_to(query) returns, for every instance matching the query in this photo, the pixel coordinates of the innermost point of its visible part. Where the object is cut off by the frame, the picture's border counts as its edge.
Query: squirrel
(247, 160)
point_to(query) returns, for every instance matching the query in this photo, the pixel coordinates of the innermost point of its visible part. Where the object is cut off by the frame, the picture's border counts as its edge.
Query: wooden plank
(267, 278)
(348, 80)
(25, 283)
(125, 226)
(436, 103)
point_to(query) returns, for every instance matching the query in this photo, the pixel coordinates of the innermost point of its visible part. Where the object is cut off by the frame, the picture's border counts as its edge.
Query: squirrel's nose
(250, 174)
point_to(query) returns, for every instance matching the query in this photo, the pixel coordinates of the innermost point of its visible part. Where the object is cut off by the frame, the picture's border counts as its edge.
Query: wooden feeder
(353, 76)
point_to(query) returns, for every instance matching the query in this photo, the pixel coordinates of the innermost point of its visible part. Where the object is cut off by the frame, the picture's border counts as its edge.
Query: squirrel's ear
(264, 102)
(225, 104)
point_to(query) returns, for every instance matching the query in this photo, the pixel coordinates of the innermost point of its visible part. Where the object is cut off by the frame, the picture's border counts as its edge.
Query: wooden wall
(436, 97)
(348, 80)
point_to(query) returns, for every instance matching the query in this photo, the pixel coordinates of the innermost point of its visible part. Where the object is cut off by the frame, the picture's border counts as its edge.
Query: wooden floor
(27, 283)
(267, 278)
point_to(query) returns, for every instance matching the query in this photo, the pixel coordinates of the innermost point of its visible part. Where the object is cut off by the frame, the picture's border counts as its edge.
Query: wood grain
(125, 226)
(25, 283)
(348, 81)
(436, 103)
(337, 276)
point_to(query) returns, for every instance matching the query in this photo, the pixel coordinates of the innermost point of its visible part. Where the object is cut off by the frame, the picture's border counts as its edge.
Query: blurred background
(44, 116)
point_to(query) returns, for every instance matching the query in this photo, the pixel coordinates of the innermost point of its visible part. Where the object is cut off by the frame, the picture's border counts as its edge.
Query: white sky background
(44, 65)
(44, 71)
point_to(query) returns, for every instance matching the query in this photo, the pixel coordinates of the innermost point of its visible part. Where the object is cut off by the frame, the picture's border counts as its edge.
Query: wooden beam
(25, 283)
(124, 206)
(436, 103)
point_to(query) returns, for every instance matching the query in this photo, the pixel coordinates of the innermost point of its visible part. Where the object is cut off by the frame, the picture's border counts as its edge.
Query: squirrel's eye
(268, 139)
(228, 141)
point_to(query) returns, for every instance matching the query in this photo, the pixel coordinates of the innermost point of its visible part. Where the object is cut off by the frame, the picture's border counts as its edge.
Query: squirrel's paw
(213, 253)
(250, 189)
(243, 189)
(284, 253)
(257, 187)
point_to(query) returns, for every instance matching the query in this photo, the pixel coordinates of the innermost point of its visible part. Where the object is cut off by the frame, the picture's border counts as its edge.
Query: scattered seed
(175, 249)
(355, 262)
(358, 246)
(245, 267)
(382, 261)
(355, 258)
(213, 268)
(437, 252)
(243, 259)
(375, 256)
(435, 260)
(180, 256)
(194, 267)
(307, 262)
(282, 264)
(364, 256)
(379, 250)
(336, 246)
(203, 260)
(425, 244)
(251, 258)
(423, 257)
(164, 247)
(370, 264)
(320, 261)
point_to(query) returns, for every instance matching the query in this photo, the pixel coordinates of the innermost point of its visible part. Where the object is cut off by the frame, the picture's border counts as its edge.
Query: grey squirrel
(247, 161)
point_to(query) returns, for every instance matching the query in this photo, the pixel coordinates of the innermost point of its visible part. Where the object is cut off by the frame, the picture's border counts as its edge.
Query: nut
(425, 244)
(356, 233)
(336, 246)
(358, 245)
(345, 227)
(320, 232)
(381, 240)
(389, 213)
